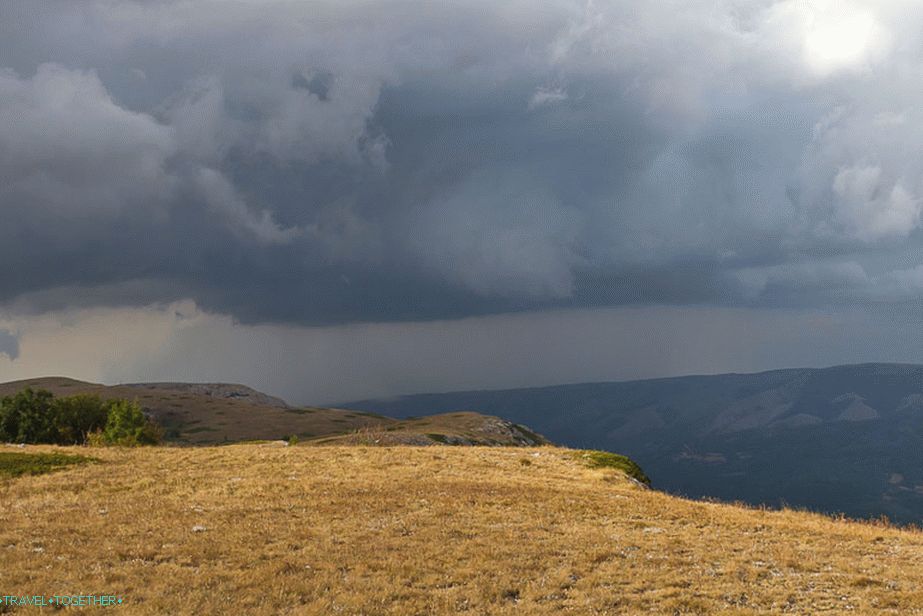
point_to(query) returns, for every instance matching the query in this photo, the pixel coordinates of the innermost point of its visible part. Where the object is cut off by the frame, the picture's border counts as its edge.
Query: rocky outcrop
(217, 390)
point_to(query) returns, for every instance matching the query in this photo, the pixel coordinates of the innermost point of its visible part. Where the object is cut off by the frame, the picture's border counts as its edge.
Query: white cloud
(547, 96)
(871, 209)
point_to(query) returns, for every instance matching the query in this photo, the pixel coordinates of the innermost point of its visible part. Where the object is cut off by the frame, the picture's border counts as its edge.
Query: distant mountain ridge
(841, 439)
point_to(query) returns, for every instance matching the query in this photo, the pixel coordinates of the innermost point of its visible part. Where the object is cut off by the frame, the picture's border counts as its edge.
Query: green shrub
(127, 425)
(605, 459)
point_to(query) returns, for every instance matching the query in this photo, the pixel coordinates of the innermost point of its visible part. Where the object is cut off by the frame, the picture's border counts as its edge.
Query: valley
(845, 439)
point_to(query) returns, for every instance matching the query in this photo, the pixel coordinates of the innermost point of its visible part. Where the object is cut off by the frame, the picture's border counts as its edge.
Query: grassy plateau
(268, 529)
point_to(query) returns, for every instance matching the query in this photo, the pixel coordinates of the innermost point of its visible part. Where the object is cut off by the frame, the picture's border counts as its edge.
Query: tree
(27, 417)
(127, 425)
(33, 416)
(75, 417)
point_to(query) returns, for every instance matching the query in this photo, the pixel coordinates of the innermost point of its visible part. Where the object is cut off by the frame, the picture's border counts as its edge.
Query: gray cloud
(9, 344)
(340, 162)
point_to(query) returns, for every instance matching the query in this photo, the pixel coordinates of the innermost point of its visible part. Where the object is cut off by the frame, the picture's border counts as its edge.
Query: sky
(335, 200)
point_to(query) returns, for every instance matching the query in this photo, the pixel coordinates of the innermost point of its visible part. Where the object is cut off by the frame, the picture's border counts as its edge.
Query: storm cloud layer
(338, 162)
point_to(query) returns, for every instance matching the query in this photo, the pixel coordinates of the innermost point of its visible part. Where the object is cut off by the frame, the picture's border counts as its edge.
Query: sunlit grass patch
(268, 529)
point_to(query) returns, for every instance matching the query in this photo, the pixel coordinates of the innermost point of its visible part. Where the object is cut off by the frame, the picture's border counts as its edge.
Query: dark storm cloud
(345, 161)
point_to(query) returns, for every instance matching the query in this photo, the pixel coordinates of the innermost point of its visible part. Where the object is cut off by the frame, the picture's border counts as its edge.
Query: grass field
(265, 529)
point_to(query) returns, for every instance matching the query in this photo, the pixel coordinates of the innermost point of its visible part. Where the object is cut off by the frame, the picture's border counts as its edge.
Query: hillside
(844, 439)
(264, 529)
(210, 413)
(462, 428)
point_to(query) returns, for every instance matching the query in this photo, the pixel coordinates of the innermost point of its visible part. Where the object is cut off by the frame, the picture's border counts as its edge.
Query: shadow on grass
(16, 464)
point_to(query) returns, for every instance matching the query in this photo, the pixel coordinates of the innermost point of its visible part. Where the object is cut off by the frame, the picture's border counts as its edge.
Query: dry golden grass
(430, 530)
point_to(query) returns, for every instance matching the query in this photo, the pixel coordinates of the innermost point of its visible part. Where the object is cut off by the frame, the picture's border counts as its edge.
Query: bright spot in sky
(839, 38)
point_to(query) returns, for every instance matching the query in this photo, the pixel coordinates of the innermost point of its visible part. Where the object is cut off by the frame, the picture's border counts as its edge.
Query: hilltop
(266, 529)
(211, 413)
(842, 439)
